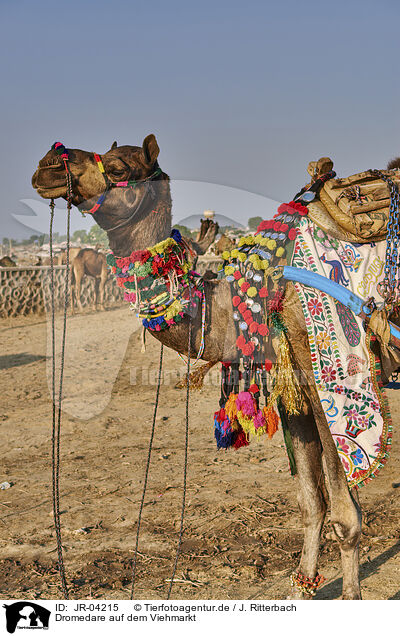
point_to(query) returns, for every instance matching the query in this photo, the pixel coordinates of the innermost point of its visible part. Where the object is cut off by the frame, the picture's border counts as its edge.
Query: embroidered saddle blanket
(345, 368)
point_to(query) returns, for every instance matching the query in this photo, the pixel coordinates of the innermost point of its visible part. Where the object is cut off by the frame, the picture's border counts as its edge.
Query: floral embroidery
(342, 361)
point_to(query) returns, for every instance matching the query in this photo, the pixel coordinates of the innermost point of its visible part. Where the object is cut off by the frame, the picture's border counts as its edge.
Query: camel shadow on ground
(18, 360)
(333, 589)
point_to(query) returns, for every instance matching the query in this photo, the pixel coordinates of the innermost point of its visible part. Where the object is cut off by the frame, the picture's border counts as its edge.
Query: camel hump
(320, 167)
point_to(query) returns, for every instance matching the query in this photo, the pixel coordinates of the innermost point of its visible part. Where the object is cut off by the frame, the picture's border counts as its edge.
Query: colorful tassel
(286, 385)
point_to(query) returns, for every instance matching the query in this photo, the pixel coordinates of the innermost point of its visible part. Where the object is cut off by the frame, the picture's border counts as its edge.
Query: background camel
(88, 262)
(224, 243)
(320, 472)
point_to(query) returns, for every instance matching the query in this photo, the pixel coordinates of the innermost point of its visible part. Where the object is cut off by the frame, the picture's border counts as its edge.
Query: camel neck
(152, 226)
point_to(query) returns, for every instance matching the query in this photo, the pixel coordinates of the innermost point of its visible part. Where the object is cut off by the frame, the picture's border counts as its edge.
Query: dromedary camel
(224, 243)
(88, 262)
(133, 221)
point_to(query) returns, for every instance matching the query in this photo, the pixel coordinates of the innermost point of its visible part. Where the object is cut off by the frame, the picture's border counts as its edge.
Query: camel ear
(150, 149)
(114, 145)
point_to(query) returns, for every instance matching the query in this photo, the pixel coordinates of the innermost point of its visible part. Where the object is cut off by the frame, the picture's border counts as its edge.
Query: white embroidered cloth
(344, 366)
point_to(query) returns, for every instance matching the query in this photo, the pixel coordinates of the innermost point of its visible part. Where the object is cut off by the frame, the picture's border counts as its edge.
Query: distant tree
(254, 222)
(97, 235)
(80, 236)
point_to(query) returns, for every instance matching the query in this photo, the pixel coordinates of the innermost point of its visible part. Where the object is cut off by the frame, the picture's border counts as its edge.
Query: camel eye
(117, 172)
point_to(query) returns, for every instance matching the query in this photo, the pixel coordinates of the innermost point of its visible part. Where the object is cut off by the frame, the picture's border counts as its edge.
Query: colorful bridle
(62, 151)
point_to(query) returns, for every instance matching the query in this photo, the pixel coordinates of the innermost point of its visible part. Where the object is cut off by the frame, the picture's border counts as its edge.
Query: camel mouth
(49, 181)
(51, 192)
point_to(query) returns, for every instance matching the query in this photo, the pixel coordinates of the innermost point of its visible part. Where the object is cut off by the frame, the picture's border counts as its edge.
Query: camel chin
(52, 193)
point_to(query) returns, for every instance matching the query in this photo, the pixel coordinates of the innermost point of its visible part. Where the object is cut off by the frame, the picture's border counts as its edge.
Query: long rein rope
(56, 414)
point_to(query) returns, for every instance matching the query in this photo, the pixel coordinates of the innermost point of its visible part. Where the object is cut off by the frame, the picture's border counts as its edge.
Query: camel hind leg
(345, 508)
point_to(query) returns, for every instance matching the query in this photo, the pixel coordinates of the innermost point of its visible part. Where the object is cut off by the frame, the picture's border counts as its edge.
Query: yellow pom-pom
(251, 292)
(242, 241)
(263, 241)
(253, 258)
(257, 264)
(280, 252)
(226, 255)
(271, 244)
(235, 253)
(241, 281)
(230, 407)
(242, 257)
(229, 270)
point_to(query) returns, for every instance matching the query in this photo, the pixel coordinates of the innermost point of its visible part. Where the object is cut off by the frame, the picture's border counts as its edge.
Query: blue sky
(238, 94)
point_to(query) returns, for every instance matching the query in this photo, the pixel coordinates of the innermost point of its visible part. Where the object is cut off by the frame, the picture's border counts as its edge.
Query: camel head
(133, 216)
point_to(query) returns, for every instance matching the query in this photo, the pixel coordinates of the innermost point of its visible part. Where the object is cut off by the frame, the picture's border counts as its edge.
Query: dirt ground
(242, 526)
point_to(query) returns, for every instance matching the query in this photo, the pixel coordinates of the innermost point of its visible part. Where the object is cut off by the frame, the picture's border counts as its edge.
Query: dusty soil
(243, 530)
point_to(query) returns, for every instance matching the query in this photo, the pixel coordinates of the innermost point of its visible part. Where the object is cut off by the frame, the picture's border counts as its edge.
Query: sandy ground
(243, 530)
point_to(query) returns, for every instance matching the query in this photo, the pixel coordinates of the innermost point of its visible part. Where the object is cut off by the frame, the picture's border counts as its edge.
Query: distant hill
(193, 221)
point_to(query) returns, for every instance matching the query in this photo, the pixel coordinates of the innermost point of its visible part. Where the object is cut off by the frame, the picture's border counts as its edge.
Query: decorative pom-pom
(272, 420)
(268, 364)
(253, 327)
(236, 300)
(230, 407)
(241, 341)
(241, 440)
(263, 330)
(248, 349)
(176, 235)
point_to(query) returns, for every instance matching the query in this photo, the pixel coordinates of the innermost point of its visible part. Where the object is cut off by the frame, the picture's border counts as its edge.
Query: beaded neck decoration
(159, 282)
(257, 298)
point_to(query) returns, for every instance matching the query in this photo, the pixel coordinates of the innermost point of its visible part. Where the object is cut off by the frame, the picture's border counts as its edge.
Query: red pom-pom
(237, 275)
(245, 286)
(263, 330)
(236, 300)
(254, 388)
(241, 440)
(247, 314)
(284, 228)
(253, 327)
(248, 349)
(241, 341)
(263, 226)
(292, 233)
(263, 293)
(242, 308)
(277, 226)
(268, 364)
(249, 319)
